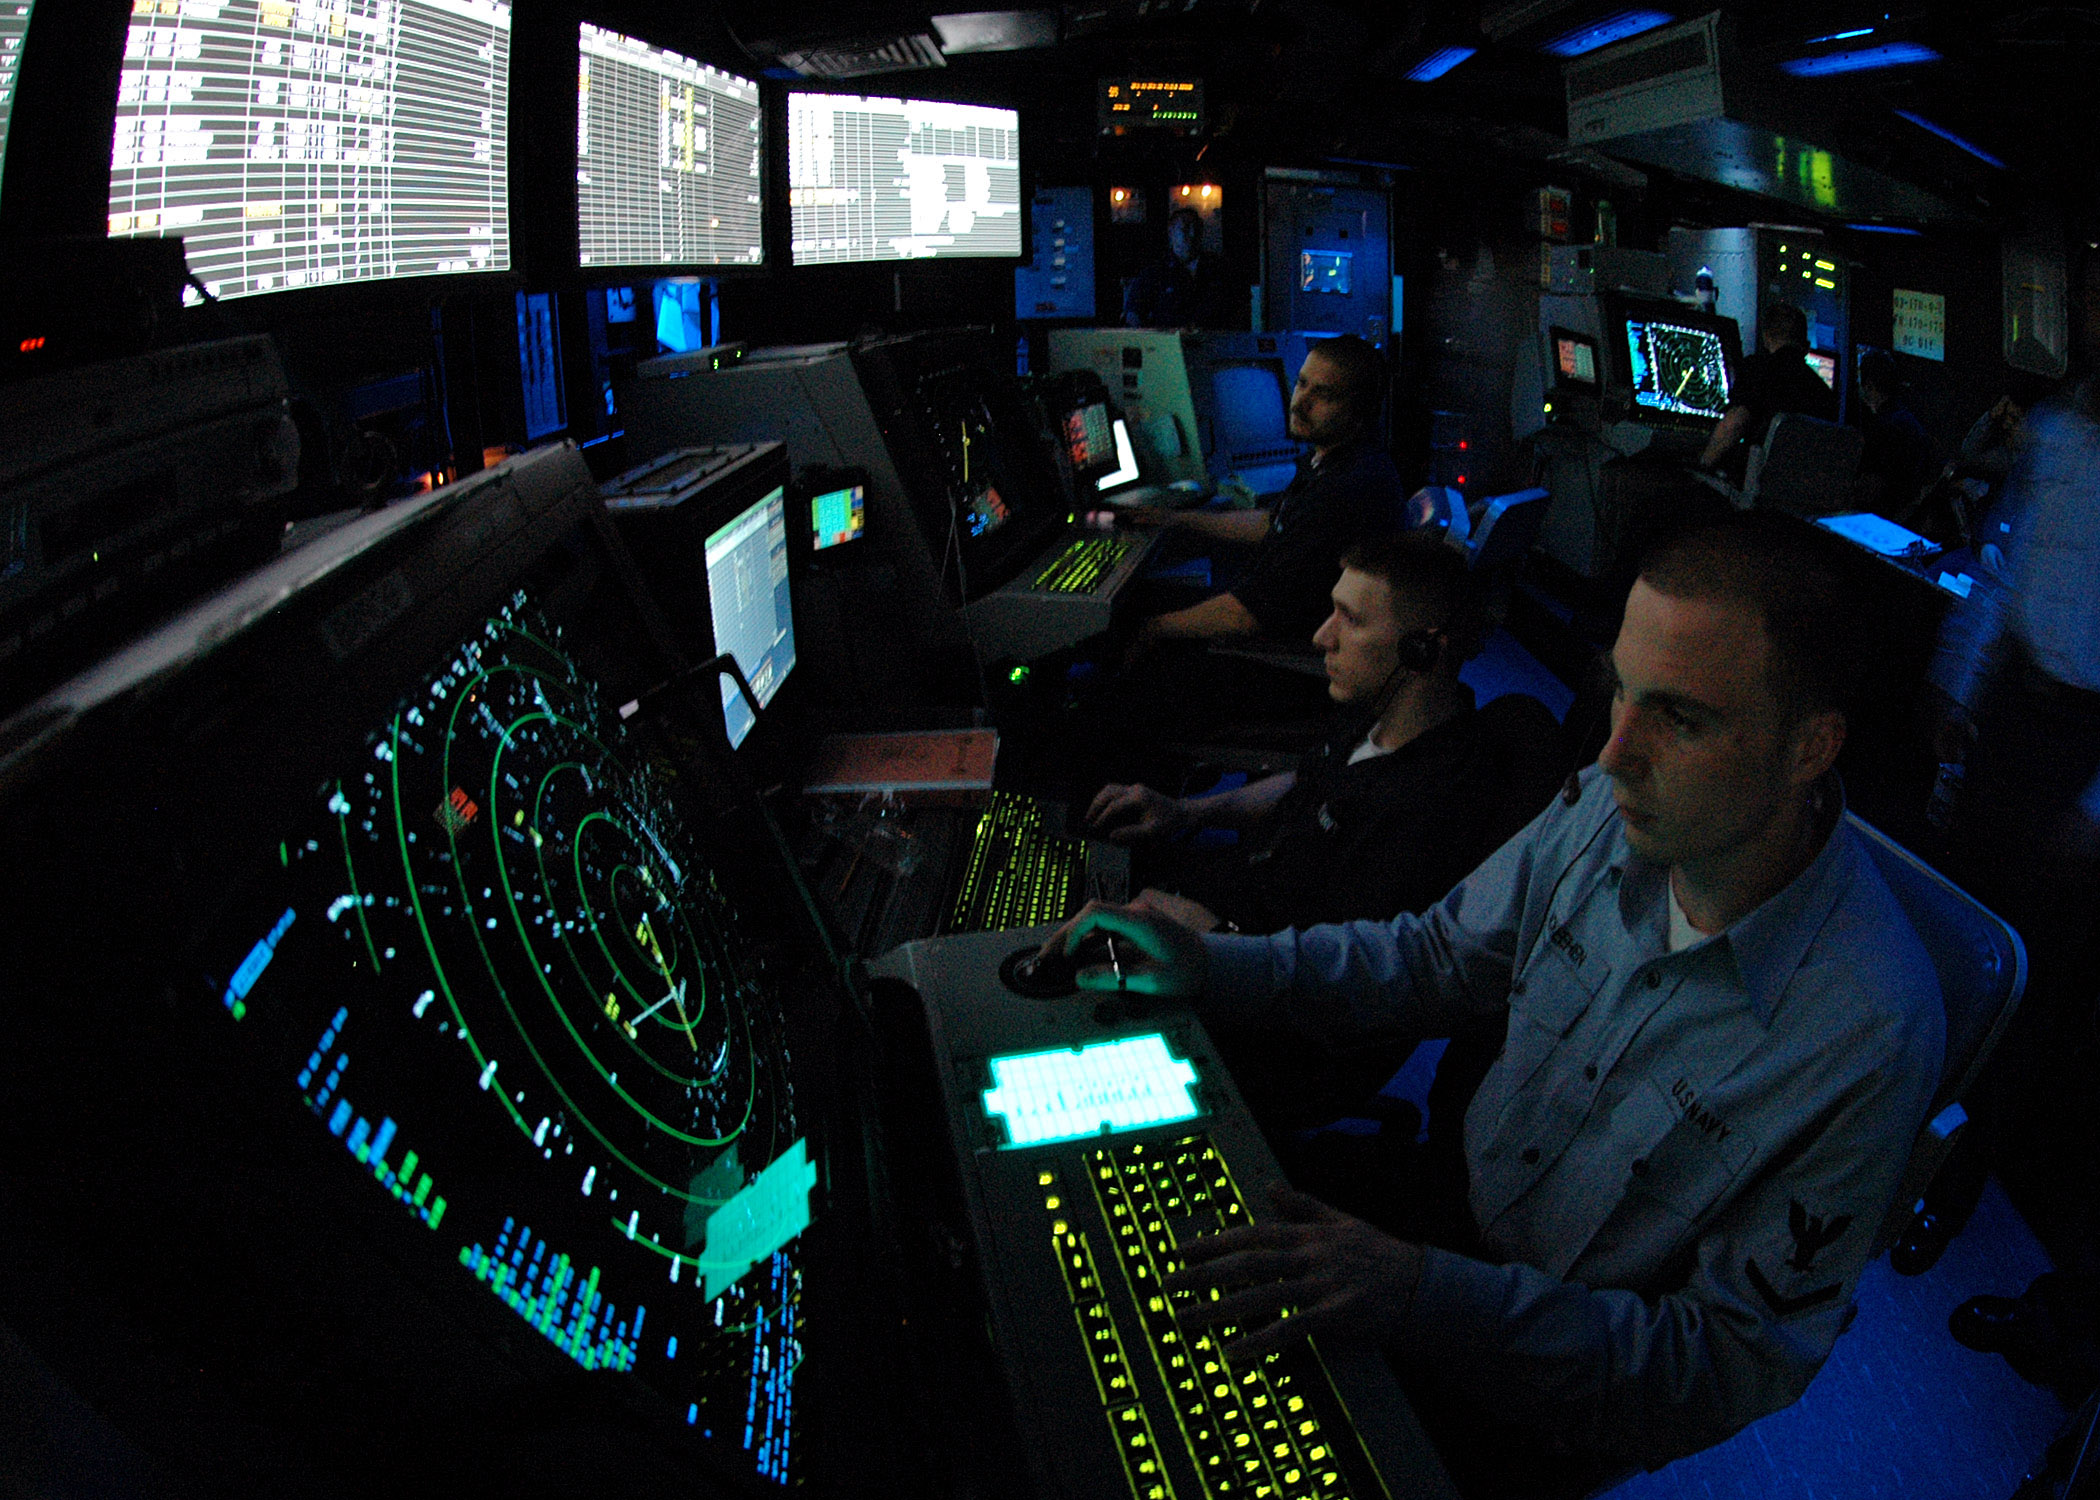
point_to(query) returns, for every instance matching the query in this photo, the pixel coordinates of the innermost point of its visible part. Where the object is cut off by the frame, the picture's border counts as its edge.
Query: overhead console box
(1689, 99)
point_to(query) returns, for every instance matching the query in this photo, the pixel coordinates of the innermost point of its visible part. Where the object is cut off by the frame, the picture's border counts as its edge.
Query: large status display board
(299, 143)
(901, 179)
(668, 154)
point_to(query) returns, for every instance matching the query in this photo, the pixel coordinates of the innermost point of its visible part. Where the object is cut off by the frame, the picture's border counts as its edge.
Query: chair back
(1805, 466)
(1982, 968)
(1508, 525)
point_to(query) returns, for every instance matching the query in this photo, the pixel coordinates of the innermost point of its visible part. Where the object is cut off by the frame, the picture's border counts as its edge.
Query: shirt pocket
(1680, 1161)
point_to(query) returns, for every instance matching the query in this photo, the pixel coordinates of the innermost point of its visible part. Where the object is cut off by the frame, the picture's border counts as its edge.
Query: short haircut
(1362, 370)
(1787, 321)
(1187, 213)
(1877, 367)
(1792, 577)
(1422, 566)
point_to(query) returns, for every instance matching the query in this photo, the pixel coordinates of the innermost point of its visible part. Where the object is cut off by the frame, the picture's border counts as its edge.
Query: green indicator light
(766, 1213)
(1104, 1089)
(1018, 674)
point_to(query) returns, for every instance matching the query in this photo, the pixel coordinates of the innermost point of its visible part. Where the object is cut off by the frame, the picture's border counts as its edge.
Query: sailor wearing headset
(1723, 1038)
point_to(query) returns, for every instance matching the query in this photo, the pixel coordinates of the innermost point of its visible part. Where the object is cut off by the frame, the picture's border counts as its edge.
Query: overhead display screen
(299, 143)
(901, 179)
(667, 158)
(14, 28)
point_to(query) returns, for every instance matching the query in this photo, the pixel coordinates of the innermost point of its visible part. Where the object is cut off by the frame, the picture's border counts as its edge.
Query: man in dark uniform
(1411, 790)
(1775, 380)
(1346, 490)
(1898, 461)
(1188, 289)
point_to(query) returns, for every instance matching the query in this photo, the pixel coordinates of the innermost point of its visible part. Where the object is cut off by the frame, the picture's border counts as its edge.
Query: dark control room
(1360, 744)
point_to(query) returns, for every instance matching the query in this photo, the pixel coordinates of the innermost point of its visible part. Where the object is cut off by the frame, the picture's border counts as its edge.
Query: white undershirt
(1370, 749)
(1682, 933)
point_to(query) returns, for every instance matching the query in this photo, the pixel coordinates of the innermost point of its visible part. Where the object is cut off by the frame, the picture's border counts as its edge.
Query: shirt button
(1654, 979)
(1590, 1072)
(1640, 1167)
(1531, 1156)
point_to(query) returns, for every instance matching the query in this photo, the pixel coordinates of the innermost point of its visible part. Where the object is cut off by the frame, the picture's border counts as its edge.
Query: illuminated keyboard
(1082, 567)
(1020, 873)
(1269, 1429)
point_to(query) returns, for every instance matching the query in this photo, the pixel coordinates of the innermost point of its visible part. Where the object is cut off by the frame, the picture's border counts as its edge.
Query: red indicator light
(1461, 479)
(1463, 445)
(35, 343)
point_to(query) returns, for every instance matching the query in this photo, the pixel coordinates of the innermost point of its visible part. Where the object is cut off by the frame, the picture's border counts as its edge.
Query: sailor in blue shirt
(1723, 1039)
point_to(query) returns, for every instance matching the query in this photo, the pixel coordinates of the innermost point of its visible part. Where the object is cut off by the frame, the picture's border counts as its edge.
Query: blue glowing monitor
(747, 595)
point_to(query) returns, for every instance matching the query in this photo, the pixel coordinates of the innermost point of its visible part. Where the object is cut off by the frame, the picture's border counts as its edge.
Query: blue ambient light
(1860, 60)
(1951, 138)
(1615, 27)
(1885, 229)
(1437, 64)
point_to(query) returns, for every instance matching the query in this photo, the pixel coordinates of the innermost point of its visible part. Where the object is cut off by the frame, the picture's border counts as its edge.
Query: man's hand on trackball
(1345, 1279)
(1157, 955)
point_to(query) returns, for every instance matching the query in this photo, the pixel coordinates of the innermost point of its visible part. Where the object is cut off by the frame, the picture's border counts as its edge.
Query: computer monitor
(747, 597)
(14, 30)
(1090, 438)
(1825, 366)
(901, 179)
(1574, 359)
(469, 1068)
(311, 145)
(838, 516)
(668, 155)
(1678, 368)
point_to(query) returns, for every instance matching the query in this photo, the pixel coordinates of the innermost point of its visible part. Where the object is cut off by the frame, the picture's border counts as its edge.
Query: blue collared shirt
(1679, 1162)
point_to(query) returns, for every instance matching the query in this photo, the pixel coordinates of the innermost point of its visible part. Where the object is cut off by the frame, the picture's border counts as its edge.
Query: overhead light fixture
(1615, 27)
(1437, 64)
(996, 30)
(1952, 139)
(1860, 60)
(1885, 229)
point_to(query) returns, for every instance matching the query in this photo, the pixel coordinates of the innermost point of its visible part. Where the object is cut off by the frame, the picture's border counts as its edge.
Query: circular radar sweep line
(496, 831)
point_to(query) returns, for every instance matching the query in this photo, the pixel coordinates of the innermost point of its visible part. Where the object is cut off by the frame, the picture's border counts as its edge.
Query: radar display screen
(506, 988)
(1678, 369)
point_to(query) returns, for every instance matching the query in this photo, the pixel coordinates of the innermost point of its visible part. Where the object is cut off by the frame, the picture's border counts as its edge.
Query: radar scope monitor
(314, 144)
(667, 158)
(1677, 369)
(901, 179)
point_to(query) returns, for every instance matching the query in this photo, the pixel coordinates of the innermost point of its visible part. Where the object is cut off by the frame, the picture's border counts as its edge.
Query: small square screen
(1576, 359)
(839, 515)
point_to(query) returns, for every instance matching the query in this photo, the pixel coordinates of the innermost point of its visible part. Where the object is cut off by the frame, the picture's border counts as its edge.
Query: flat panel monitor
(1678, 369)
(1574, 359)
(14, 31)
(1825, 366)
(1090, 439)
(458, 1004)
(668, 154)
(901, 179)
(1251, 405)
(301, 145)
(838, 516)
(747, 595)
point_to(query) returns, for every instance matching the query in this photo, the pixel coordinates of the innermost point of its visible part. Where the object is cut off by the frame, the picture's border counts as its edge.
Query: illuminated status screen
(512, 1000)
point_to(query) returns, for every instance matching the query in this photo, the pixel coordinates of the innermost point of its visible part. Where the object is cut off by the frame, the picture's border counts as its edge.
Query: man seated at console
(1412, 789)
(1723, 1037)
(1774, 380)
(1345, 490)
